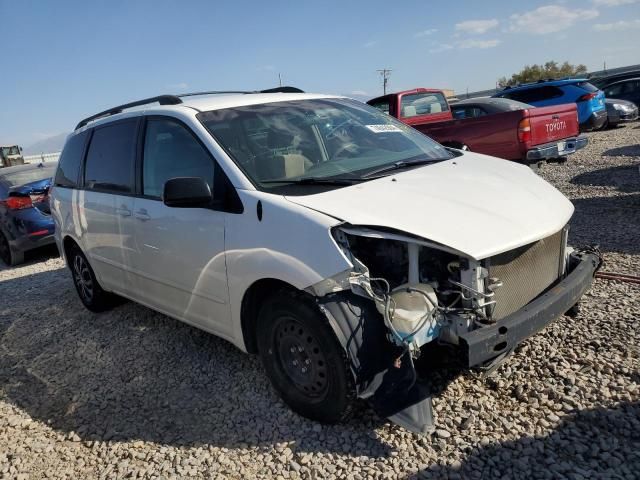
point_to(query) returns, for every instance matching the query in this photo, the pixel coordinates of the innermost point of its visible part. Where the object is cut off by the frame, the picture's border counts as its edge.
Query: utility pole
(279, 79)
(385, 72)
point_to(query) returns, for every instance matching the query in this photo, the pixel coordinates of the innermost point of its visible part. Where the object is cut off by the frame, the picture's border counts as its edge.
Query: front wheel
(303, 359)
(91, 294)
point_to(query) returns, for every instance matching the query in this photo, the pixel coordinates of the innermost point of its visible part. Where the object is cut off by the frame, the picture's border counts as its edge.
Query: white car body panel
(291, 243)
(193, 286)
(476, 204)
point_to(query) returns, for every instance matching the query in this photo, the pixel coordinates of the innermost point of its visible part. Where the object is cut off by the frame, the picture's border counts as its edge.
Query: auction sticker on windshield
(383, 128)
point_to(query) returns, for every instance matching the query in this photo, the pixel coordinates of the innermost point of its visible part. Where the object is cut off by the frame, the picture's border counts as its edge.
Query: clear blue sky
(63, 60)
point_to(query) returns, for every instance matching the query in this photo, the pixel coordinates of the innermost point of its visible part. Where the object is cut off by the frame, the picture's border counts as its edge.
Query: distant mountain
(48, 145)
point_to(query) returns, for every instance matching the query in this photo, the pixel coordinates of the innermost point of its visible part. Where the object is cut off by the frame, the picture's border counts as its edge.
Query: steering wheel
(342, 148)
(332, 132)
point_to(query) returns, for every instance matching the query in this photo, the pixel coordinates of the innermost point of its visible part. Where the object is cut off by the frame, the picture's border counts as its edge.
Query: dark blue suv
(592, 111)
(25, 217)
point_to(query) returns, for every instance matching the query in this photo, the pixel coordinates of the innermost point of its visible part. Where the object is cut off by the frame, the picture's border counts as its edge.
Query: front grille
(526, 272)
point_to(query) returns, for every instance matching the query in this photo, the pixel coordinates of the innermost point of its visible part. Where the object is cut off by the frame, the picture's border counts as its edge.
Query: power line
(385, 73)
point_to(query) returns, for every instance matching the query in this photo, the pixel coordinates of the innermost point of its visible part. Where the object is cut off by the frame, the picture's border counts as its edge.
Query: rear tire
(91, 294)
(9, 256)
(303, 358)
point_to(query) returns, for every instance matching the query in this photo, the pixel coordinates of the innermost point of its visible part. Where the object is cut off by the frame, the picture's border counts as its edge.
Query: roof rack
(176, 100)
(161, 99)
(282, 90)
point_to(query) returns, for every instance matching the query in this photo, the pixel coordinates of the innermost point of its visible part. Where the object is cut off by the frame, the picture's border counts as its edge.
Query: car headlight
(623, 107)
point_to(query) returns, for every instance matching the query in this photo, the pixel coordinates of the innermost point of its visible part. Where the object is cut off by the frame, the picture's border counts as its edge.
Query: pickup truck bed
(552, 132)
(527, 135)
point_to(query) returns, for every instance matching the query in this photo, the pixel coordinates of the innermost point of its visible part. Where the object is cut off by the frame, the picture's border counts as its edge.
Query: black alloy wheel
(89, 290)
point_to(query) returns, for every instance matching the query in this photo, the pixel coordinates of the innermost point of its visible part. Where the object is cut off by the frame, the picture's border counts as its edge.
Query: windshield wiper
(403, 164)
(318, 181)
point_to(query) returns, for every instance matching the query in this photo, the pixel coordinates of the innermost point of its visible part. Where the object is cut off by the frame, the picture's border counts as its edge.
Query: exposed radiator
(526, 272)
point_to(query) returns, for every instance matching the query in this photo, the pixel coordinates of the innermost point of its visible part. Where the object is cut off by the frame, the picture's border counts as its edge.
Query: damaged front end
(404, 292)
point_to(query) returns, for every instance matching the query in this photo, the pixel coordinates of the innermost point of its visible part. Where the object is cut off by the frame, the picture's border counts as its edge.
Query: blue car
(25, 218)
(592, 111)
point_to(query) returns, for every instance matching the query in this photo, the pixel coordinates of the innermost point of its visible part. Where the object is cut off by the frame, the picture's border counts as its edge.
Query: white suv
(324, 235)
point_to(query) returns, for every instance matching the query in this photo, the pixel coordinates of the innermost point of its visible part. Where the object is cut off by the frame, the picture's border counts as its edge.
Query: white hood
(475, 204)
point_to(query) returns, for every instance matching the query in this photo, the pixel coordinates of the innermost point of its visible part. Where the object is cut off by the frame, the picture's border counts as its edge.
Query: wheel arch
(68, 242)
(252, 300)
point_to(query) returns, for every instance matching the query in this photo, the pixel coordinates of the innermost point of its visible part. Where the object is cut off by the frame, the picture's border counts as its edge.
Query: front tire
(91, 294)
(303, 358)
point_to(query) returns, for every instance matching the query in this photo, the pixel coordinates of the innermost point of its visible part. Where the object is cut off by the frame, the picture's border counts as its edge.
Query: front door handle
(142, 215)
(123, 211)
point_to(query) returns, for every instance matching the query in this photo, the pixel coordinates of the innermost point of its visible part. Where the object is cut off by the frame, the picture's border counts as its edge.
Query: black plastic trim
(161, 99)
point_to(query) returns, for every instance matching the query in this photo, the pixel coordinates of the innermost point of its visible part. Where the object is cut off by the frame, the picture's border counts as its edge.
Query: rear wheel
(8, 255)
(89, 290)
(303, 359)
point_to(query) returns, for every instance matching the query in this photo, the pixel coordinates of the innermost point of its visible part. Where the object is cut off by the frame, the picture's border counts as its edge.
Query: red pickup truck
(513, 131)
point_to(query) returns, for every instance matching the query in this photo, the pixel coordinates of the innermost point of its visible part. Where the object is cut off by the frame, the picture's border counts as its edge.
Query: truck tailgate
(553, 123)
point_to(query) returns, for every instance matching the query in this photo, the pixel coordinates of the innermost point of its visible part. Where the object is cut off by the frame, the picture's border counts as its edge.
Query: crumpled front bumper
(486, 343)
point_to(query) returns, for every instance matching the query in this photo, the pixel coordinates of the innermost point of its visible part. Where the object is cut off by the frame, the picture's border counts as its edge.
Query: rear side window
(539, 94)
(422, 104)
(587, 86)
(111, 158)
(69, 164)
(170, 151)
(382, 105)
(468, 112)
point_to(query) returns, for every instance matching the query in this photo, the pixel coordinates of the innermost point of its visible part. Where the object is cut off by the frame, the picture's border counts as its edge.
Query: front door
(178, 262)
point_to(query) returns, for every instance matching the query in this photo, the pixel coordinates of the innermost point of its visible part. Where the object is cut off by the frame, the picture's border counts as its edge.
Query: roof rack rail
(246, 92)
(176, 100)
(282, 90)
(161, 99)
(212, 92)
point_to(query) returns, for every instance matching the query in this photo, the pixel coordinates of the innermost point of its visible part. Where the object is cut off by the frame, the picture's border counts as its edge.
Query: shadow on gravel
(133, 374)
(625, 178)
(36, 255)
(585, 443)
(626, 151)
(611, 222)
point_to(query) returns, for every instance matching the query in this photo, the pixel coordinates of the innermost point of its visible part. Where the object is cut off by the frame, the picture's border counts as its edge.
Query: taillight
(524, 130)
(587, 96)
(18, 203)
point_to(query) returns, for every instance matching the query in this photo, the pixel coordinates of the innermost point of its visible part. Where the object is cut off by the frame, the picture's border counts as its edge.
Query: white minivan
(316, 231)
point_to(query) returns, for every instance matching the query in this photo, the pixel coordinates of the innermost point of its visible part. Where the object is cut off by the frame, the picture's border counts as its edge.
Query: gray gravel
(134, 394)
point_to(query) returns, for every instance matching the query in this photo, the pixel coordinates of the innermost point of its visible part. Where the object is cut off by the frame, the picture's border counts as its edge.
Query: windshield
(6, 151)
(286, 142)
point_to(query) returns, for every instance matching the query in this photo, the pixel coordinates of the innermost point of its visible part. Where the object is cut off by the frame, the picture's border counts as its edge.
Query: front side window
(70, 161)
(422, 104)
(290, 142)
(170, 151)
(111, 158)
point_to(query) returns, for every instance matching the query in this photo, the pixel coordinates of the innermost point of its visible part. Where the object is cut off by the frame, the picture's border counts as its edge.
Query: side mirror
(187, 192)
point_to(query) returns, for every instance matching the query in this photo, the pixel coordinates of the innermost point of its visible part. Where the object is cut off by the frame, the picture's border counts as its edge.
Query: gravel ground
(134, 394)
